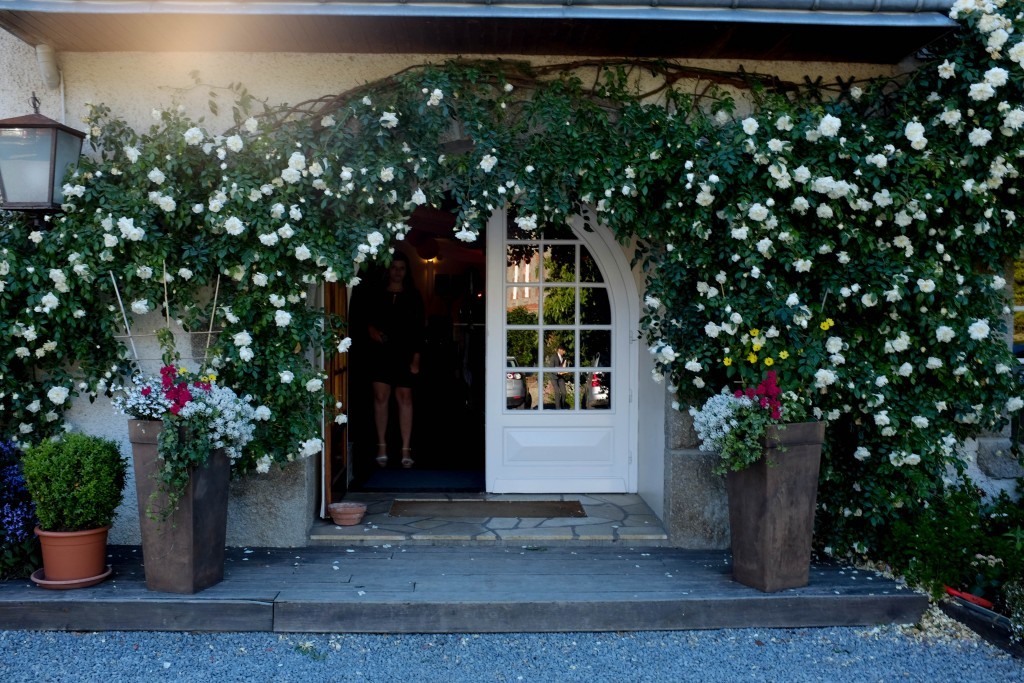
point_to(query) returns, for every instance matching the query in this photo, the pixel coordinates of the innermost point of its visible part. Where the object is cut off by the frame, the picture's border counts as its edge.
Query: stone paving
(611, 518)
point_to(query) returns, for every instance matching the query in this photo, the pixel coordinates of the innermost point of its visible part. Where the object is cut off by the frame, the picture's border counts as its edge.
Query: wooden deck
(435, 589)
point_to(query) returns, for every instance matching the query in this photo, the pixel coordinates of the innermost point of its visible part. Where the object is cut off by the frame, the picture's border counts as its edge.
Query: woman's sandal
(407, 461)
(382, 459)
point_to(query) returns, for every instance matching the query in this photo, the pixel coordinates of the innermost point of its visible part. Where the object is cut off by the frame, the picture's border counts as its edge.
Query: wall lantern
(35, 153)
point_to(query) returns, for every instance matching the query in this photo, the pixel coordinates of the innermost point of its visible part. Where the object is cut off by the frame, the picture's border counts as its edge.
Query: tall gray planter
(185, 552)
(771, 509)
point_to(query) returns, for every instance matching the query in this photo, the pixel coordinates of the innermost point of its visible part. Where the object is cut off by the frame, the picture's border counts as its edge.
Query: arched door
(561, 307)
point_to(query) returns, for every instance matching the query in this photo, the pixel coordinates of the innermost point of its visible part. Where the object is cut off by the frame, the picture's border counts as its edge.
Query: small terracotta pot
(347, 514)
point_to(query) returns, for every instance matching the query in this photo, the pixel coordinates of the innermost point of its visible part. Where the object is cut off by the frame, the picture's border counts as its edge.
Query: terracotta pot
(771, 509)
(185, 552)
(73, 558)
(346, 514)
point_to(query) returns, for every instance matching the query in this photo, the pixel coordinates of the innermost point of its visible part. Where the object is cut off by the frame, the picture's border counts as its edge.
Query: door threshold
(612, 518)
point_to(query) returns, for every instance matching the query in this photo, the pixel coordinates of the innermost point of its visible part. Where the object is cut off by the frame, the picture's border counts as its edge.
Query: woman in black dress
(396, 336)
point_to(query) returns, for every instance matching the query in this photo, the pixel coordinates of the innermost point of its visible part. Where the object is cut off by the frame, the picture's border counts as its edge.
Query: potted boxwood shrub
(76, 482)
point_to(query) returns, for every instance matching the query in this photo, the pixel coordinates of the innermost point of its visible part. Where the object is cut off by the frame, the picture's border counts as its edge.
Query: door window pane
(595, 348)
(522, 263)
(589, 272)
(521, 348)
(560, 263)
(597, 390)
(559, 305)
(595, 308)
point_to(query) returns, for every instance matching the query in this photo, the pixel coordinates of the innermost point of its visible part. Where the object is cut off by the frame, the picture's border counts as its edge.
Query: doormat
(487, 508)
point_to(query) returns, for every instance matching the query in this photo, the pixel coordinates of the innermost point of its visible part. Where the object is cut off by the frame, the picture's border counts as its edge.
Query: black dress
(398, 316)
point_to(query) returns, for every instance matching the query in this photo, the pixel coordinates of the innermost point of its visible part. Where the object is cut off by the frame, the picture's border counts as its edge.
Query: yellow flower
(757, 347)
(769, 361)
(182, 371)
(827, 324)
(755, 332)
(783, 355)
(727, 361)
(752, 358)
(824, 325)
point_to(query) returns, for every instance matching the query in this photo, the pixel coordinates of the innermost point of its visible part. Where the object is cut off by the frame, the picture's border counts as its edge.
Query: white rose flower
(979, 137)
(234, 226)
(194, 136)
(140, 306)
(310, 448)
(245, 354)
(978, 330)
(824, 377)
(488, 162)
(262, 413)
(387, 174)
(242, 338)
(314, 385)
(388, 119)
(829, 126)
(862, 453)
(49, 302)
(757, 212)
(260, 279)
(234, 143)
(302, 252)
(156, 176)
(944, 333)
(58, 395)
(269, 239)
(282, 318)
(750, 126)
(286, 376)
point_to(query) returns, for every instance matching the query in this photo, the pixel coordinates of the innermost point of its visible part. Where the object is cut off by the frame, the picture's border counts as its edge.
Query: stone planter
(185, 552)
(771, 509)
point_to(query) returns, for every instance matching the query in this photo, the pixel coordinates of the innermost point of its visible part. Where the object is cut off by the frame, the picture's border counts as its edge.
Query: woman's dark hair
(408, 283)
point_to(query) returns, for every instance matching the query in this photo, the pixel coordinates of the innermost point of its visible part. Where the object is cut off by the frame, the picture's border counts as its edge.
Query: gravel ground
(936, 651)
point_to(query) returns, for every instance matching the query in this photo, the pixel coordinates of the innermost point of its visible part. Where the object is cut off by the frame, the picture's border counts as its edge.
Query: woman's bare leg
(403, 396)
(381, 397)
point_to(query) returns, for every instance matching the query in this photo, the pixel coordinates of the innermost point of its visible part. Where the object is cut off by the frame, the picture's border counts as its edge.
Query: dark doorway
(448, 399)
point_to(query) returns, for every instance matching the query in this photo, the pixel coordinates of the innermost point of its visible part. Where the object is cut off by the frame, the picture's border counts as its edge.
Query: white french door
(565, 286)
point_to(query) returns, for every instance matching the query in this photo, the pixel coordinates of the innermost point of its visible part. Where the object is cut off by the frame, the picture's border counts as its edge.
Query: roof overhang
(879, 31)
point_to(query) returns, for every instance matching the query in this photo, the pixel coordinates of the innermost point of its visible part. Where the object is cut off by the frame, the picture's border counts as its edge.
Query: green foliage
(76, 481)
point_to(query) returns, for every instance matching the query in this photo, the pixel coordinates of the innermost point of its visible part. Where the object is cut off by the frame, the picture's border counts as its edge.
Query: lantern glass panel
(25, 165)
(69, 148)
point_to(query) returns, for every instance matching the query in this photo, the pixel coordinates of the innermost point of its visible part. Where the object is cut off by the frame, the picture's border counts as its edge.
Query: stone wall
(696, 512)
